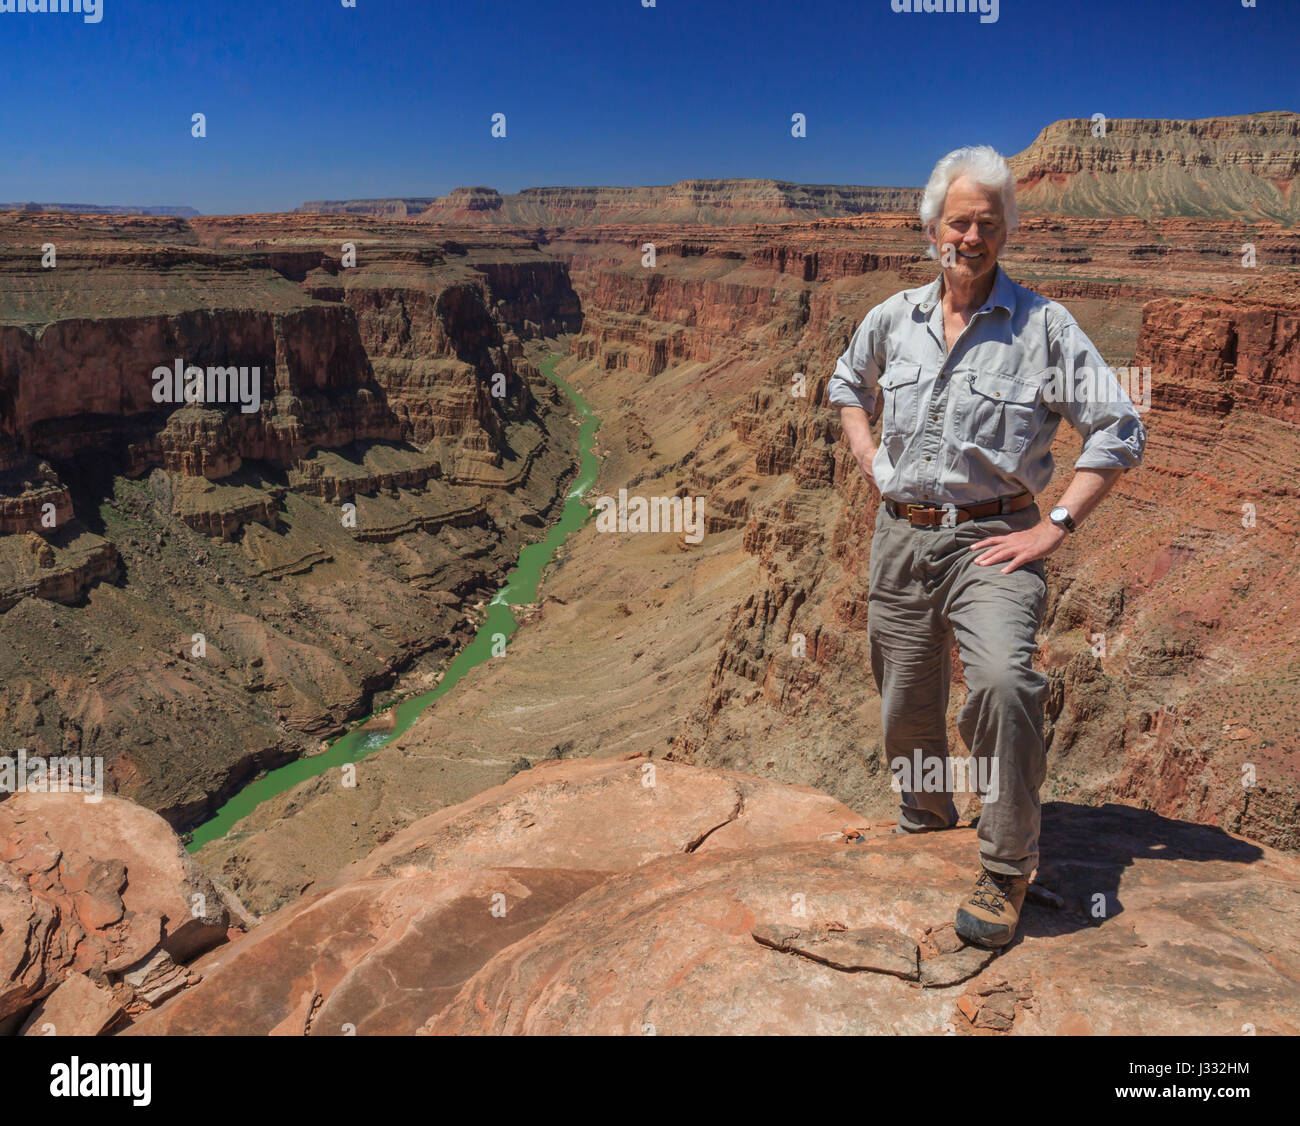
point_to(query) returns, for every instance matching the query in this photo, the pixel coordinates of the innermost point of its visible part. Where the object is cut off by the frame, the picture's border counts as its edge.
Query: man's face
(973, 224)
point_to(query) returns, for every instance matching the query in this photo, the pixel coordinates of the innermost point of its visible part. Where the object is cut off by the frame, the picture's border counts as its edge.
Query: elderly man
(971, 376)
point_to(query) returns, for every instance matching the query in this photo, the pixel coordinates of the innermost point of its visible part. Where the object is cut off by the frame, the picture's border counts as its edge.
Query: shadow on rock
(1086, 851)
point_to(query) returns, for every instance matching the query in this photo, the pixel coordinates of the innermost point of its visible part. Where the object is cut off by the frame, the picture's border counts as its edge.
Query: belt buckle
(911, 508)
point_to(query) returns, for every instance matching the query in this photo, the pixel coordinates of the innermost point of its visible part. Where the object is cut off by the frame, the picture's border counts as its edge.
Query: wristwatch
(1061, 518)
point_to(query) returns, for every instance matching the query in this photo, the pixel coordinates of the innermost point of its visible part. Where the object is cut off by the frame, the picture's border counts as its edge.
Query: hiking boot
(989, 916)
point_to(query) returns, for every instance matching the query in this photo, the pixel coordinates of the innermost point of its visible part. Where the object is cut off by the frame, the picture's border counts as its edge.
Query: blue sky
(310, 100)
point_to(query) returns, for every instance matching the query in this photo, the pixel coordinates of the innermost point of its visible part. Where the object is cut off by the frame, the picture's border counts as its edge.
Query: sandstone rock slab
(635, 920)
(77, 1007)
(94, 887)
(873, 949)
(395, 936)
(1183, 949)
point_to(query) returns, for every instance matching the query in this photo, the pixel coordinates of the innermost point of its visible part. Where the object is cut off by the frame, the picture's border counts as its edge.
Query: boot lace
(989, 893)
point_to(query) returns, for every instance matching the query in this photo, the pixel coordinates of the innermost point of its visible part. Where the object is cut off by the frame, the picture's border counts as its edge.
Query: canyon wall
(687, 201)
(1240, 166)
(182, 591)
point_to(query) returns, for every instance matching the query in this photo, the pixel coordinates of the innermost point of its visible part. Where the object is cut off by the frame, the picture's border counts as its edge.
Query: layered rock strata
(257, 575)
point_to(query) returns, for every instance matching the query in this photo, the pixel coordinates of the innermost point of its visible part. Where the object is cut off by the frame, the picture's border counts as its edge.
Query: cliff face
(313, 370)
(1219, 166)
(407, 208)
(688, 201)
(397, 348)
(139, 527)
(1238, 167)
(1221, 356)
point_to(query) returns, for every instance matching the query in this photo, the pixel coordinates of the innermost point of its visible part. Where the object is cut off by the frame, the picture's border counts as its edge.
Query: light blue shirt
(978, 424)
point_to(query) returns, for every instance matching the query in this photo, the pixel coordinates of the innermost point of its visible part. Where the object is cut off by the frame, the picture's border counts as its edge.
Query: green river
(520, 587)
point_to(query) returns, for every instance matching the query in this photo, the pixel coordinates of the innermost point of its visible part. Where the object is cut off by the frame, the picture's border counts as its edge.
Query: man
(971, 376)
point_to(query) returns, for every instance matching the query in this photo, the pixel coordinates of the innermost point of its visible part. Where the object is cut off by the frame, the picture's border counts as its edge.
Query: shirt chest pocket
(900, 384)
(1001, 410)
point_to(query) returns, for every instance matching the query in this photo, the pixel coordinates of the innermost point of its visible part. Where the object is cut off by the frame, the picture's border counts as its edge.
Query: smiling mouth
(964, 254)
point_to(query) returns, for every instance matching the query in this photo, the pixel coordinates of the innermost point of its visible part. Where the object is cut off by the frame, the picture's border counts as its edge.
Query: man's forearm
(1081, 496)
(857, 430)
(1086, 489)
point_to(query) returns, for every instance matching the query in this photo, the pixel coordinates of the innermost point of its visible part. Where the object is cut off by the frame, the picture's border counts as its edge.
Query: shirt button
(927, 457)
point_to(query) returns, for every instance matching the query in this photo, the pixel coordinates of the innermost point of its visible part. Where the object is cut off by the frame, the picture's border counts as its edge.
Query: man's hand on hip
(1019, 547)
(864, 459)
(857, 429)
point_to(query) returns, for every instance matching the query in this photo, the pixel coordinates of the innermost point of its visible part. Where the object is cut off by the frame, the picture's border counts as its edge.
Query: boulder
(94, 887)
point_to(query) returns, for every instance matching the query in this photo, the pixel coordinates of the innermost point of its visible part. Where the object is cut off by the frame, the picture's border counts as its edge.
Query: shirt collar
(1002, 294)
(925, 296)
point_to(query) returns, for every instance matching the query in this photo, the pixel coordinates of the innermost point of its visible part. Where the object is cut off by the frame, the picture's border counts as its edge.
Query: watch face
(1058, 515)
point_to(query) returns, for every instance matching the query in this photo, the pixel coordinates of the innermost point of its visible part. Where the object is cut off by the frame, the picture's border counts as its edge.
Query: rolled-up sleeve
(1086, 393)
(857, 371)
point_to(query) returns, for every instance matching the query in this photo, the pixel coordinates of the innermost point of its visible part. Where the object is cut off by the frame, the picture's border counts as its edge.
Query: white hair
(980, 163)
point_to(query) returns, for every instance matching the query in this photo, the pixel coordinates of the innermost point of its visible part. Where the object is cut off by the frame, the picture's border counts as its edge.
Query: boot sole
(991, 936)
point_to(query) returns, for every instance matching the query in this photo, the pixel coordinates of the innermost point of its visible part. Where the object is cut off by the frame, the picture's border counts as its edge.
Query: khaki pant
(925, 590)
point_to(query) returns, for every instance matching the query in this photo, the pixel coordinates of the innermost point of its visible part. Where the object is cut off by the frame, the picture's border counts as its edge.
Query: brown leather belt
(924, 515)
